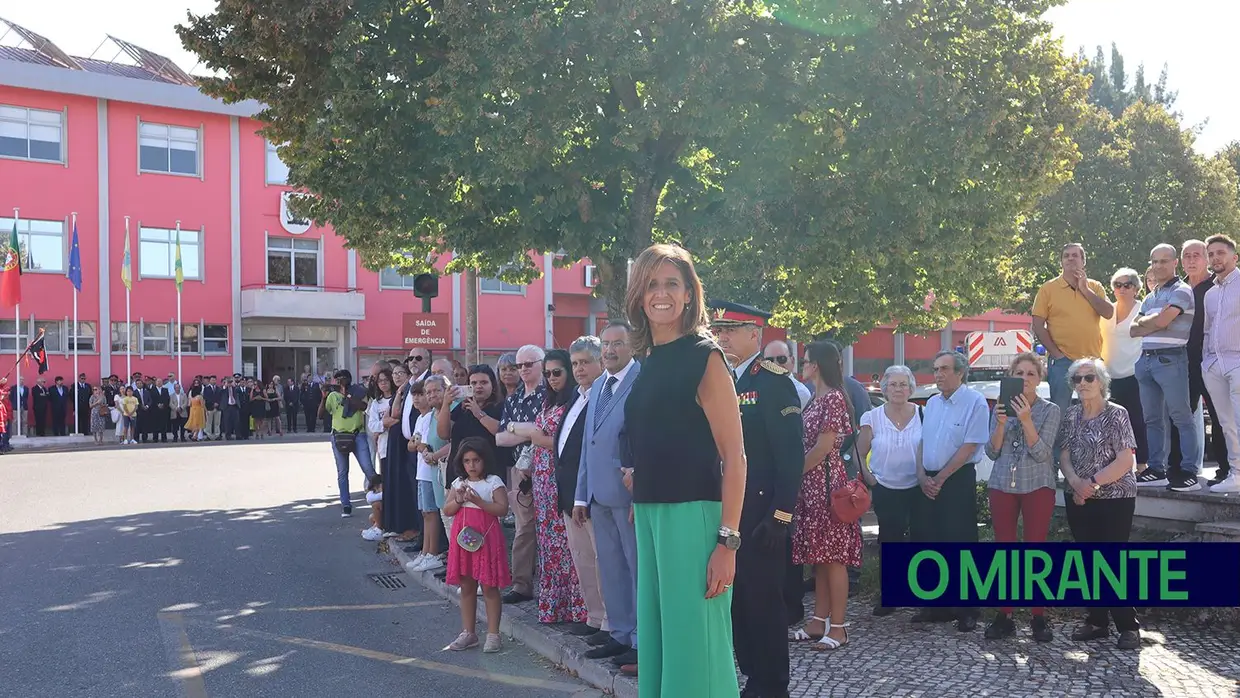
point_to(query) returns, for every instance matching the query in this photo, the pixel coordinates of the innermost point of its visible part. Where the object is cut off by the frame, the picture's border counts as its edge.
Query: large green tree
(854, 156)
(1139, 183)
(1110, 88)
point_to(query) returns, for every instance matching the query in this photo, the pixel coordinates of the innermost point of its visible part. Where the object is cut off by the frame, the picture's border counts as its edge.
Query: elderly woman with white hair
(890, 437)
(1096, 457)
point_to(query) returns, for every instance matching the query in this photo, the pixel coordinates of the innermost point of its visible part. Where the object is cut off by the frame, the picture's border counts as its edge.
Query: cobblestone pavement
(890, 657)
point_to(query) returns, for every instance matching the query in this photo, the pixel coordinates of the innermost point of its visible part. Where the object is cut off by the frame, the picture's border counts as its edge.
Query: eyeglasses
(781, 360)
(528, 364)
(553, 373)
(1123, 284)
(415, 357)
(1088, 378)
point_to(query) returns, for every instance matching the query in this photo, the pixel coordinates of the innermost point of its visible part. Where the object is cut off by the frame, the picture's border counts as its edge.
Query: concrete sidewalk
(61, 444)
(520, 622)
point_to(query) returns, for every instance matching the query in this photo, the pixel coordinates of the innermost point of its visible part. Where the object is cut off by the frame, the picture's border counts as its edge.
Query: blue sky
(1196, 38)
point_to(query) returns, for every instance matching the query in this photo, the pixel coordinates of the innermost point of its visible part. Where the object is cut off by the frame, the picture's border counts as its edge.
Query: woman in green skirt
(681, 417)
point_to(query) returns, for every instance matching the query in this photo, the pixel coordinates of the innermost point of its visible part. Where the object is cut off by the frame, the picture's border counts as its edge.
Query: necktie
(604, 400)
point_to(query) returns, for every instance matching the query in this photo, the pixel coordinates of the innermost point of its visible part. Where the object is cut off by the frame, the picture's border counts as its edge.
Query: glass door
(250, 362)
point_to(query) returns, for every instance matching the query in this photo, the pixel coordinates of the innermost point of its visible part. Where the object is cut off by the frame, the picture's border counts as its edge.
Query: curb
(565, 651)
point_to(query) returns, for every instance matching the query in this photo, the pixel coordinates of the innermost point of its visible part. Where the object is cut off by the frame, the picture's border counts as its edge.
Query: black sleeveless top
(674, 454)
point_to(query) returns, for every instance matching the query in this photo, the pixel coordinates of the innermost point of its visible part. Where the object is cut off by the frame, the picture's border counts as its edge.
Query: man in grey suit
(602, 496)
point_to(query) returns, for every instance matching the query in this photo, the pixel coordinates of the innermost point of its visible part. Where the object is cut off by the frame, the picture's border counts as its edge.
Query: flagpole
(179, 373)
(128, 325)
(17, 331)
(77, 399)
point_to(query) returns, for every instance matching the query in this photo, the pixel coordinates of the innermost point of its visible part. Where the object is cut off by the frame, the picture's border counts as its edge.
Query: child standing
(374, 497)
(476, 552)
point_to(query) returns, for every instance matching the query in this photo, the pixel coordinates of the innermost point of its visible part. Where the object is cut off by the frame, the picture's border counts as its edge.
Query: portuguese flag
(11, 273)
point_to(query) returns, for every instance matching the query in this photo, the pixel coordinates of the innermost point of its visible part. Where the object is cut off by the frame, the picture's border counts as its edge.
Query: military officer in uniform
(771, 420)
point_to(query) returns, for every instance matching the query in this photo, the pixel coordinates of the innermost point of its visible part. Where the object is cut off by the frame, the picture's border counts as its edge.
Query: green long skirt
(685, 639)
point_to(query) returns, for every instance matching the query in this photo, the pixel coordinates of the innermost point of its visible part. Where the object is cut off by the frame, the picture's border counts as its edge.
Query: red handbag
(850, 502)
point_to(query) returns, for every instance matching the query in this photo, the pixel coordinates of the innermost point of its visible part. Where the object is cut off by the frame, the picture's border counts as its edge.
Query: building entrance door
(286, 362)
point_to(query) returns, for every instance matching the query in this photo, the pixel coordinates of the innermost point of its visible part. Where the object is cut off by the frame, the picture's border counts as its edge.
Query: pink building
(137, 145)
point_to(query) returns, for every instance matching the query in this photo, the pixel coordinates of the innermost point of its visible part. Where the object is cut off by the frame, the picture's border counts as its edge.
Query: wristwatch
(1094, 481)
(729, 538)
(512, 427)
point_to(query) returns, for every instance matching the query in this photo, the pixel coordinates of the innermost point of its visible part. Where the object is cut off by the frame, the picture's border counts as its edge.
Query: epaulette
(774, 367)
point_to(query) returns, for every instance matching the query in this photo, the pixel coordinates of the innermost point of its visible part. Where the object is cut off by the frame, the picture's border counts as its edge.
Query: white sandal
(800, 634)
(828, 643)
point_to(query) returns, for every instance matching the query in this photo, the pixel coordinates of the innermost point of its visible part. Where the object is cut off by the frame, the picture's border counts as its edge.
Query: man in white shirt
(780, 352)
(587, 360)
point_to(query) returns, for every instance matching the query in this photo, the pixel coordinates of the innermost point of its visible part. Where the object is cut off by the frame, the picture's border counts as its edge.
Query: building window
(169, 149)
(189, 339)
(155, 337)
(85, 337)
(31, 134)
(9, 339)
(277, 171)
(498, 286)
(292, 262)
(391, 278)
(42, 243)
(157, 253)
(215, 339)
(53, 335)
(121, 343)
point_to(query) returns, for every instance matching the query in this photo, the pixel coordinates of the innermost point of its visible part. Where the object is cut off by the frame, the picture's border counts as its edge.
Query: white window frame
(503, 287)
(19, 340)
(406, 282)
(24, 234)
(27, 123)
(273, 153)
(293, 252)
(165, 338)
(203, 339)
(92, 338)
(196, 327)
(197, 246)
(118, 328)
(168, 141)
(61, 343)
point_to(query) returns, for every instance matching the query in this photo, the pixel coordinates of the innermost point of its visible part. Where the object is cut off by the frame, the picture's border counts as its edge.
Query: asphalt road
(222, 571)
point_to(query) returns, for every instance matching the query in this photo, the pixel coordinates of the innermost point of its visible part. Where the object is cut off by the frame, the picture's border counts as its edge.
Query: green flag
(180, 271)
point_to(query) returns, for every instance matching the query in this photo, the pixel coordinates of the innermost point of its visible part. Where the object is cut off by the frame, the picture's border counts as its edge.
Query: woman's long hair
(496, 387)
(375, 391)
(693, 320)
(563, 397)
(474, 444)
(825, 355)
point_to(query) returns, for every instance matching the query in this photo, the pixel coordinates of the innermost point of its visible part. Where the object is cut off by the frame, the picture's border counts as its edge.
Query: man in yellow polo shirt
(1065, 320)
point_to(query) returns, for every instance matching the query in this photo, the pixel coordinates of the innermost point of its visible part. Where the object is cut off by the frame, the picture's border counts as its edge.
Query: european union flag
(75, 262)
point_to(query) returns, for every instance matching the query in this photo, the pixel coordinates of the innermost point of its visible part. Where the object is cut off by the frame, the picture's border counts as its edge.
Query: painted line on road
(428, 665)
(176, 638)
(359, 607)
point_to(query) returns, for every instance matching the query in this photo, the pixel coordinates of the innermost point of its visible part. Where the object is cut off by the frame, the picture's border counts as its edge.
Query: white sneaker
(415, 565)
(1230, 484)
(373, 533)
(432, 564)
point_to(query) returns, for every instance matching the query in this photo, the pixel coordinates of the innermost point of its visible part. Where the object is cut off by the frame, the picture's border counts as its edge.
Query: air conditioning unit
(591, 276)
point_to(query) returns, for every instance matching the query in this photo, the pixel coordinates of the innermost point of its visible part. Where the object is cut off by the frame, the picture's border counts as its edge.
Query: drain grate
(392, 580)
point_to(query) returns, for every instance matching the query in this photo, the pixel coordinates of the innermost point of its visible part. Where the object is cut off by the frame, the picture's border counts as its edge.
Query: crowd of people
(653, 473)
(146, 409)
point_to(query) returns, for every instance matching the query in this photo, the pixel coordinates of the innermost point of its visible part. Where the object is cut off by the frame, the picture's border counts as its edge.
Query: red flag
(11, 272)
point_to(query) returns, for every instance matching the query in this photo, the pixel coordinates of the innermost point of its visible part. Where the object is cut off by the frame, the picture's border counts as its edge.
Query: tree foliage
(1110, 89)
(1230, 155)
(844, 160)
(1139, 183)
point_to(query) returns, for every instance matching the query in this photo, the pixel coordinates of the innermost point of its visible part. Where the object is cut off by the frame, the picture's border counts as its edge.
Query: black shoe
(629, 657)
(1215, 480)
(1151, 478)
(1001, 627)
(1129, 640)
(1041, 629)
(580, 629)
(346, 512)
(1088, 633)
(601, 637)
(610, 649)
(517, 597)
(881, 611)
(966, 624)
(1186, 483)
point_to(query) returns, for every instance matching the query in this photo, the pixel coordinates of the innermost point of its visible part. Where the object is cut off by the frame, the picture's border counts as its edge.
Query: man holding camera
(345, 403)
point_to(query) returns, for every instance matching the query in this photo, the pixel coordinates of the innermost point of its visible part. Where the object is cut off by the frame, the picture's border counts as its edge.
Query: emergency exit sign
(427, 330)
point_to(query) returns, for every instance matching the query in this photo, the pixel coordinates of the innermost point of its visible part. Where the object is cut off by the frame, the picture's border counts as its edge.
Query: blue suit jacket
(604, 450)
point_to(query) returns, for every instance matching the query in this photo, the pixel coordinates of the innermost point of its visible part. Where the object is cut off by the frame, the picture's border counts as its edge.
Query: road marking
(378, 656)
(189, 673)
(359, 607)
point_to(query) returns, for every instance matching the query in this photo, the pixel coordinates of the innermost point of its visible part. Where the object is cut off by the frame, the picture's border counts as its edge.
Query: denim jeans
(361, 450)
(1164, 393)
(1061, 390)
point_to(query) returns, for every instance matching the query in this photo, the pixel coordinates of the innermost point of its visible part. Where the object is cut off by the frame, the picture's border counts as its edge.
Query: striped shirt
(1173, 294)
(1222, 326)
(1093, 444)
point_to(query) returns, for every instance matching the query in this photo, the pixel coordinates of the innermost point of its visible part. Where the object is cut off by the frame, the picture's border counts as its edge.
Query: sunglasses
(527, 364)
(553, 373)
(1123, 284)
(781, 360)
(1088, 378)
(419, 359)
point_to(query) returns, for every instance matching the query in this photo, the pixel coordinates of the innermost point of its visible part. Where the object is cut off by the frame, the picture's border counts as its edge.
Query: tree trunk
(471, 317)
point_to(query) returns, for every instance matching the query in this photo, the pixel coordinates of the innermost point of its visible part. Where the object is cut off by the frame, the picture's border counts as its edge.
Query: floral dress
(97, 423)
(559, 591)
(818, 536)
